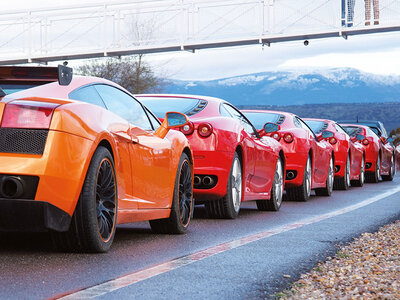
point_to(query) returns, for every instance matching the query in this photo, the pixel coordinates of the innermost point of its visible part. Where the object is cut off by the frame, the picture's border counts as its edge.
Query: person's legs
(343, 12)
(350, 12)
(367, 12)
(376, 12)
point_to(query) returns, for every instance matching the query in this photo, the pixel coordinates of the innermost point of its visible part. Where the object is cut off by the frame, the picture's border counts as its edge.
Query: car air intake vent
(280, 120)
(324, 127)
(18, 140)
(199, 107)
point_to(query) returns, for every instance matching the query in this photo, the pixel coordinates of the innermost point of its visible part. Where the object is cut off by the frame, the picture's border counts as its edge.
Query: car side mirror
(171, 120)
(175, 119)
(327, 134)
(271, 127)
(384, 140)
(360, 137)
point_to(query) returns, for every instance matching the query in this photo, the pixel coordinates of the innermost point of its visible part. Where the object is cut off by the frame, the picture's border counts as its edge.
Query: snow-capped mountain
(291, 88)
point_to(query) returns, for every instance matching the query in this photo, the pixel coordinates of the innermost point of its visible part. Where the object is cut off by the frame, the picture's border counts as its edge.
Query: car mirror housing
(171, 120)
(271, 127)
(327, 134)
(175, 119)
(360, 137)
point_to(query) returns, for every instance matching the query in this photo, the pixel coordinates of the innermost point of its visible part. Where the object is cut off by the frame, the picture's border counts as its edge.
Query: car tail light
(276, 136)
(332, 140)
(205, 129)
(365, 142)
(188, 128)
(288, 137)
(28, 114)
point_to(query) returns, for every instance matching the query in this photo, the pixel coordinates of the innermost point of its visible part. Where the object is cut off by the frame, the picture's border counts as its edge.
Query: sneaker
(367, 23)
(376, 22)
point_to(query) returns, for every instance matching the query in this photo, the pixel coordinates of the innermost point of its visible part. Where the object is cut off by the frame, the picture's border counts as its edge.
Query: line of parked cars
(78, 156)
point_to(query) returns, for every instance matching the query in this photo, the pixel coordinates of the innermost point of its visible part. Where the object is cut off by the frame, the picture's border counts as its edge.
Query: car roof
(189, 96)
(320, 120)
(54, 90)
(269, 111)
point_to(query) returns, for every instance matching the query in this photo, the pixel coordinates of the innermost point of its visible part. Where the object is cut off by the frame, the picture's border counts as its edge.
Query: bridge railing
(153, 26)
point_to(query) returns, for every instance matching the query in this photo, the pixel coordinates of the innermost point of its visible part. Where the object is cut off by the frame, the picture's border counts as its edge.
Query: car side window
(339, 128)
(87, 94)
(297, 123)
(224, 112)
(124, 105)
(153, 120)
(305, 126)
(248, 127)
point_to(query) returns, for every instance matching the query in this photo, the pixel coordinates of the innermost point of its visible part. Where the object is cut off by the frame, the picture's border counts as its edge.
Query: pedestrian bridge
(134, 27)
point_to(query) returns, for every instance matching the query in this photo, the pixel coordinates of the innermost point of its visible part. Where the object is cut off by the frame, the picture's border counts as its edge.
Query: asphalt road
(245, 265)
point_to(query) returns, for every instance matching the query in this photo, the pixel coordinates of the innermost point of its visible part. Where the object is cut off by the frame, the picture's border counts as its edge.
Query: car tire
(303, 192)
(327, 190)
(392, 170)
(94, 221)
(361, 176)
(343, 183)
(275, 202)
(228, 207)
(182, 202)
(373, 177)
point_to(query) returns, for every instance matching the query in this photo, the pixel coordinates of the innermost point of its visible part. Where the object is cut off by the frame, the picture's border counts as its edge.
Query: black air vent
(280, 120)
(20, 140)
(199, 107)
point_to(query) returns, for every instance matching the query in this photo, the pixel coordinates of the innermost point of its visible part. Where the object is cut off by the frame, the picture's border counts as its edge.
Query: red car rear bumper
(215, 163)
(295, 162)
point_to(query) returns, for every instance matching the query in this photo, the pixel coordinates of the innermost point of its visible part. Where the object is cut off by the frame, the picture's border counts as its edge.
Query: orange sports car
(80, 155)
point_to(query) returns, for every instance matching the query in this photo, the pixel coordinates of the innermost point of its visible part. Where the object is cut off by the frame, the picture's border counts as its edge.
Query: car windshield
(13, 88)
(352, 130)
(316, 126)
(258, 119)
(160, 105)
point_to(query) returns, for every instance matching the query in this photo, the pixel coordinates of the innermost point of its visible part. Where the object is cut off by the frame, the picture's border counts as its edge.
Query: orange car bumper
(53, 193)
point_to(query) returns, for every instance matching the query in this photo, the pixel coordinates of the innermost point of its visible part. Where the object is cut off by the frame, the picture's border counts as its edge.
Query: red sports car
(349, 155)
(232, 163)
(397, 155)
(309, 161)
(379, 154)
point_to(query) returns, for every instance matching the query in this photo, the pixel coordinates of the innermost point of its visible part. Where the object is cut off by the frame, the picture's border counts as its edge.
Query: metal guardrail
(133, 27)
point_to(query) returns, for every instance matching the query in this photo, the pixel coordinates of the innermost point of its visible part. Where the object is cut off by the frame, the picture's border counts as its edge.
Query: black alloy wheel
(94, 221)
(182, 202)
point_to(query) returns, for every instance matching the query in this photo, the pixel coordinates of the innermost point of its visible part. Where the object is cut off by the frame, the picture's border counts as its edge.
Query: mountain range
(342, 85)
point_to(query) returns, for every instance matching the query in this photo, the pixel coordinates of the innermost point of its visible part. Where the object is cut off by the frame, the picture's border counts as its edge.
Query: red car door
(264, 159)
(258, 161)
(320, 161)
(387, 153)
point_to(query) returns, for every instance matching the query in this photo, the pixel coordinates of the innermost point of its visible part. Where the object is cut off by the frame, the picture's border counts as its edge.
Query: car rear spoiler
(40, 75)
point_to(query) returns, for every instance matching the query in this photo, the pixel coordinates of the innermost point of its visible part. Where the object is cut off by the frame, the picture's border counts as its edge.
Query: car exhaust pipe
(11, 187)
(207, 180)
(290, 175)
(196, 180)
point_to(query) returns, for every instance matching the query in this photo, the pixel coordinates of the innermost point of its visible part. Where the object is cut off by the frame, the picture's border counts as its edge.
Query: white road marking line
(130, 279)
